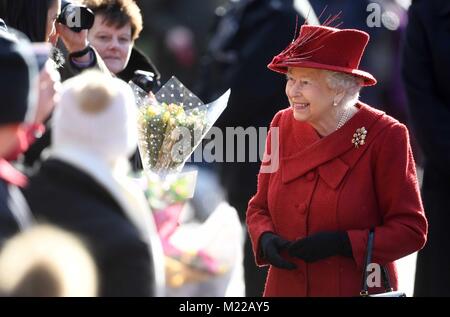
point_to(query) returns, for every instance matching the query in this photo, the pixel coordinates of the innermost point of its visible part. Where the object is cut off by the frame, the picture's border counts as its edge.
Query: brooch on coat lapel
(359, 138)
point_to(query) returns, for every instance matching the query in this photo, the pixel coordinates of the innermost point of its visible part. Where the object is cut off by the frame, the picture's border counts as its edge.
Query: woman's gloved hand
(321, 245)
(271, 246)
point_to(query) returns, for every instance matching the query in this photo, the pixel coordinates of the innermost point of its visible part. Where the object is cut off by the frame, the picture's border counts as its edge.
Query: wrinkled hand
(320, 246)
(271, 246)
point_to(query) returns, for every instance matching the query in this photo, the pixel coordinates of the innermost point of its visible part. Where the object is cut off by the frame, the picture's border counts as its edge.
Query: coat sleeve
(429, 113)
(403, 228)
(258, 216)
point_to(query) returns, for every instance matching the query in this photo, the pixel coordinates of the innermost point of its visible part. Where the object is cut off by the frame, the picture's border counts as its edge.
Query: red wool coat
(329, 185)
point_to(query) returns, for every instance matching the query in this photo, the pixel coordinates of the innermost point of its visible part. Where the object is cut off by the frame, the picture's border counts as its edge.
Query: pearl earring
(335, 104)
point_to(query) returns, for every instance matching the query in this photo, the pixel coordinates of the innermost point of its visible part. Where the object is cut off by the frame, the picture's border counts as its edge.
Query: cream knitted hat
(97, 114)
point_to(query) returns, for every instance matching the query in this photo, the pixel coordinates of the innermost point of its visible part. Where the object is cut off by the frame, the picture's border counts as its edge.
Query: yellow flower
(153, 111)
(175, 109)
(166, 116)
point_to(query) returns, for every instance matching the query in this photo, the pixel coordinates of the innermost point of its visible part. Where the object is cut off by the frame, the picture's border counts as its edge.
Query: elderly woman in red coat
(343, 169)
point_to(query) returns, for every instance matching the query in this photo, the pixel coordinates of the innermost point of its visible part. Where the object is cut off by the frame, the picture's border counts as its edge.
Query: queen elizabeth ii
(345, 168)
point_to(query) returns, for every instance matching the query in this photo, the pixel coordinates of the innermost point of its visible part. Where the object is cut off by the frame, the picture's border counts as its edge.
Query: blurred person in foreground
(83, 186)
(426, 73)
(344, 168)
(37, 20)
(46, 262)
(18, 89)
(117, 26)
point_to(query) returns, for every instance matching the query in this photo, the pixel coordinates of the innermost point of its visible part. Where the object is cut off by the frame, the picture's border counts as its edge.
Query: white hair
(351, 85)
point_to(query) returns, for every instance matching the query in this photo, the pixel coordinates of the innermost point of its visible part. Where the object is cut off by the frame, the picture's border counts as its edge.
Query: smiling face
(310, 97)
(113, 44)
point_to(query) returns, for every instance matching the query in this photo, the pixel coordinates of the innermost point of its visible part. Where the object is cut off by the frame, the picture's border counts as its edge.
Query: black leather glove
(321, 245)
(271, 246)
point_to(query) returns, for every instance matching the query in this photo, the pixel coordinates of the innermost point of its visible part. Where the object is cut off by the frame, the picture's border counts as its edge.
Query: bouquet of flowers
(173, 189)
(166, 197)
(172, 125)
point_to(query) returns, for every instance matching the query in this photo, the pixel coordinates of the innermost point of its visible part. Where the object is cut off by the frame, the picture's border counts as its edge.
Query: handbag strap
(384, 273)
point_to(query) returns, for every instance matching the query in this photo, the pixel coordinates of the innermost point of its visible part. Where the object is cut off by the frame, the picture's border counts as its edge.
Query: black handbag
(389, 291)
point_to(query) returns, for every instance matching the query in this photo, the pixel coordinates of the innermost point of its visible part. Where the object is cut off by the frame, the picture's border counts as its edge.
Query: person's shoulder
(391, 123)
(393, 132)
(59, 184)
(388, 126)
(381, 116)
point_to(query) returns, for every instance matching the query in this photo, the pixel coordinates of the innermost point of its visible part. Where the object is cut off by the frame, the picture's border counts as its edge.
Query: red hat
(324, 47)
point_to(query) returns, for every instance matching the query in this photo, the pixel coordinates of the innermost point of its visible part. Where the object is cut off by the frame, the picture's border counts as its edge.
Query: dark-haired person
(37, 20)
(18, 78)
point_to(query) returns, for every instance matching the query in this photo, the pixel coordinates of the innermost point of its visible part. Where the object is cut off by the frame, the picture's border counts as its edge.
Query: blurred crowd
(68, 140)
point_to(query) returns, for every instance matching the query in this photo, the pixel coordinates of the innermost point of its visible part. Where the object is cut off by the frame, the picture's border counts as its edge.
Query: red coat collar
(324, 153)
(12, 176)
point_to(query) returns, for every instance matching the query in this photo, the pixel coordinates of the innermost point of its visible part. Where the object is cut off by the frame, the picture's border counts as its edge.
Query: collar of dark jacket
(138, 61)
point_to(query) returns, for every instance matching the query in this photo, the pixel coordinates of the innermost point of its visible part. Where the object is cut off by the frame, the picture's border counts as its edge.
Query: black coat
(65, 196)
(426, 71)
(138, 61)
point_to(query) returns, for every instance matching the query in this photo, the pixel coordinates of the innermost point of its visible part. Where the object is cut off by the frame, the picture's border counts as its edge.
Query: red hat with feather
(324, 47)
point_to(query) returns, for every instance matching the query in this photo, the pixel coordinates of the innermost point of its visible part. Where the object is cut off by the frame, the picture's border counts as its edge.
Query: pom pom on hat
(96, 113)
